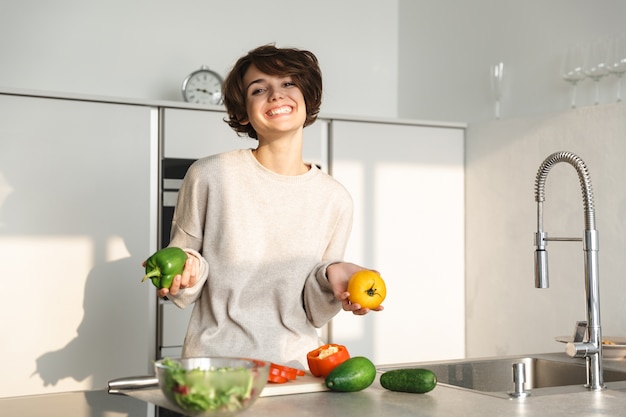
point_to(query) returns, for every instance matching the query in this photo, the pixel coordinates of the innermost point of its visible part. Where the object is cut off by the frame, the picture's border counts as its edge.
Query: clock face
(203, 87)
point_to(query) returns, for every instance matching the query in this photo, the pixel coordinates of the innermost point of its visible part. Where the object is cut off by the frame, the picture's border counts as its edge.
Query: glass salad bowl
(211, 386)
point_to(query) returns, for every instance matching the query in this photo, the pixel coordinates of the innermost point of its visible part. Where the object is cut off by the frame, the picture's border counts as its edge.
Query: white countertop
(443, 401)
(375, 401)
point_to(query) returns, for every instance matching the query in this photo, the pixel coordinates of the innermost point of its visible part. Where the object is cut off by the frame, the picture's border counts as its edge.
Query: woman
(266, 231)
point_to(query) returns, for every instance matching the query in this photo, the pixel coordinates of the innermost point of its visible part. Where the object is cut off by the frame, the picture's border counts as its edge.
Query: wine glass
(572, 69)
(597, 66)
(497, 74)
(617, 61)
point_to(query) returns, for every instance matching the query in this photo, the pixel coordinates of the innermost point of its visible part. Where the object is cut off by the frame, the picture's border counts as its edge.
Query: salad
(215, 389)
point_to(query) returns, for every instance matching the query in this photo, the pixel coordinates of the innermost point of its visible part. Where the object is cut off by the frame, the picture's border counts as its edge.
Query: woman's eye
(256, 92)
(289, 84)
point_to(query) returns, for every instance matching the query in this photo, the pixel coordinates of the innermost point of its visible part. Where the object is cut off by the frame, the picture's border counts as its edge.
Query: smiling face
(274, 104)
(301, 65)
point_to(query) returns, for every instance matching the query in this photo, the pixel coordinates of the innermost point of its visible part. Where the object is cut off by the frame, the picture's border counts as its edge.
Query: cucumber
(415, 380)
(355, 374)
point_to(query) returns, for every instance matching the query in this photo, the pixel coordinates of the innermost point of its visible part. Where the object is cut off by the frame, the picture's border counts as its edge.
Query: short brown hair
(302, 66)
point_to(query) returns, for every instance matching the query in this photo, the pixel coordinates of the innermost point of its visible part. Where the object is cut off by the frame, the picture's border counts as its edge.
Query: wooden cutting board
(301, 385)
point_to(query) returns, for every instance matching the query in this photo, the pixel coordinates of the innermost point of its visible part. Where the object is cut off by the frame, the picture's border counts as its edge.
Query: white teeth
(280, 110)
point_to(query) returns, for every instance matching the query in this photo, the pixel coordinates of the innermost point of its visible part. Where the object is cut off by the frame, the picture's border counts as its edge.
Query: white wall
(505, 313)
(447, 46)
(145, 48)
(445, 50)
(420, 59)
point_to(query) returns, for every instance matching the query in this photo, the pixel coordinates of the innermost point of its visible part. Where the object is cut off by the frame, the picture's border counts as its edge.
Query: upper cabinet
(193, 134)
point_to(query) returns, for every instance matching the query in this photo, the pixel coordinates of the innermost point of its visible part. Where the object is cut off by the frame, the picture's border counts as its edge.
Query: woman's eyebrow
(257, 81)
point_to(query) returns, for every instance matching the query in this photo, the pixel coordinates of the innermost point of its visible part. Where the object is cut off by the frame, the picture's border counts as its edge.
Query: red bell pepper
(280, 374)
(326, 358)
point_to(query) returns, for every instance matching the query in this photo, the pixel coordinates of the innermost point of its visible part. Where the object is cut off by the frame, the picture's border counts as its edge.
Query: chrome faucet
(591, 349)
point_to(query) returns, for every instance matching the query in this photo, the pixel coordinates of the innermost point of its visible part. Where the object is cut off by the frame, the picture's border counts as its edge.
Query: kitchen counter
(75, 403)
(442, 401)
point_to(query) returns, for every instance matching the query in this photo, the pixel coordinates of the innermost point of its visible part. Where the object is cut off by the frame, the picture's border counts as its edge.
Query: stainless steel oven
(171, 320)
(173, 171)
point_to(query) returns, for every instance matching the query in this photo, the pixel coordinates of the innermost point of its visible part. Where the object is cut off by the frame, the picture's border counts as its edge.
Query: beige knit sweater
(265, 240)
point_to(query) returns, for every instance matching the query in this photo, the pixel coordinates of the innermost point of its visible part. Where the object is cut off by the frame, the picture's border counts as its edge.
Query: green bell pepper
(164, 265)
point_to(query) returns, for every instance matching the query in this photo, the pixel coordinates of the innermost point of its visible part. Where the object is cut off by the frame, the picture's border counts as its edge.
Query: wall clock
(203, 86)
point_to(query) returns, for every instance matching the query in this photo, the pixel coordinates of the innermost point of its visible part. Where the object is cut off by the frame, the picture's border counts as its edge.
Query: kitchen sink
(494, 376)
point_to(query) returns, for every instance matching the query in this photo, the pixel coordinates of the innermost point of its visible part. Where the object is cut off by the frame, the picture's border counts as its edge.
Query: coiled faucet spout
(592, 348)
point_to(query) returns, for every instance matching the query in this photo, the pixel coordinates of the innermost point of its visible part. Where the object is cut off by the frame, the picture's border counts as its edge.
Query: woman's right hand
(188, 278)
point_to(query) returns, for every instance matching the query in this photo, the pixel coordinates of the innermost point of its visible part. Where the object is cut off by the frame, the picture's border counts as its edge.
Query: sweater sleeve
(188, 296)
(187, 231)
(318, 298)
(319, 301)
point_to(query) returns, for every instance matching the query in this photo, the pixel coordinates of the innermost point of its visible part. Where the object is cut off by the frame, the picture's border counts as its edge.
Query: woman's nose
(276, 94)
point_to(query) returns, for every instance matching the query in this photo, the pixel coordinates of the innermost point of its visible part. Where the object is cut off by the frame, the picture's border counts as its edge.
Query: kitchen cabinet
(77, 217)
(192, 134)
(407, 183)
(80, 191)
